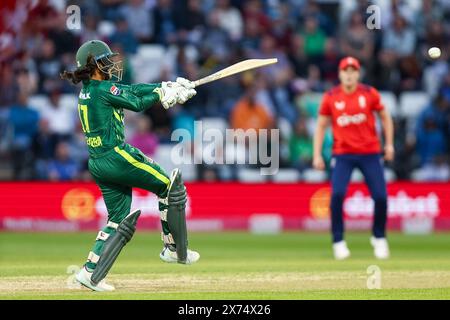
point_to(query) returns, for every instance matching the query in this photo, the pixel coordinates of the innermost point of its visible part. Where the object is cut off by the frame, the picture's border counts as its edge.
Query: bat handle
(196, 83)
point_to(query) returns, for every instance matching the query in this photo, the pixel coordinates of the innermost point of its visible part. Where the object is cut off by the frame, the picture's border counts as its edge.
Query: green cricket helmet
(103, 57)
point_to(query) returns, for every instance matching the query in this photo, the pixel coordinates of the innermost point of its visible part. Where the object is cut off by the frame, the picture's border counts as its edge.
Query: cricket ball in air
(434, 52)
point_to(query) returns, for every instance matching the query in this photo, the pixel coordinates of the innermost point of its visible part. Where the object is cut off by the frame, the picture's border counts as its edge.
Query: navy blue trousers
(372, 169)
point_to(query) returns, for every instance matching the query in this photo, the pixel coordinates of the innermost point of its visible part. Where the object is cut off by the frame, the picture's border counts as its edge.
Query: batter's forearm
(149, 101)
(136, 97)
(144, 89)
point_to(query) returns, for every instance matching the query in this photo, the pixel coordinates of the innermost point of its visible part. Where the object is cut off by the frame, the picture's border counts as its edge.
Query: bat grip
(197, 83)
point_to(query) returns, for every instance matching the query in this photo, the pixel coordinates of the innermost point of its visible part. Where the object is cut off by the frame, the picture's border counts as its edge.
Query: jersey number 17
(83, 113)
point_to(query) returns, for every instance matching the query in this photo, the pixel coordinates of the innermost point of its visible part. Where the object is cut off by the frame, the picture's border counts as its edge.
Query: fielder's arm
(388, 131)
(322, 124)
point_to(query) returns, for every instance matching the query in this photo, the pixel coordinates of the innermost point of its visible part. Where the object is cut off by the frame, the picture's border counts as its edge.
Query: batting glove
(169, 94)
(185, 83)
(187, 90)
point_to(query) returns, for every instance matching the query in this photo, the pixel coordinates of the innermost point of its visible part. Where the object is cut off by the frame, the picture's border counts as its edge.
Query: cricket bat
(236, 68)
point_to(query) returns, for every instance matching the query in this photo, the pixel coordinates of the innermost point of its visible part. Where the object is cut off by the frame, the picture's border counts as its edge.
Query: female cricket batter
(117, 166)
(350, 108)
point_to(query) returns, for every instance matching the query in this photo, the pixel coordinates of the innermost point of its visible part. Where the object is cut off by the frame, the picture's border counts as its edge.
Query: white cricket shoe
(170, 256)
(84, 277)
(341, 250)
(380, 247)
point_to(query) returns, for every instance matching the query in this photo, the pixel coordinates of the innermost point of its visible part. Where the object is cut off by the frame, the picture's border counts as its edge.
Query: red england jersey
(353, 119)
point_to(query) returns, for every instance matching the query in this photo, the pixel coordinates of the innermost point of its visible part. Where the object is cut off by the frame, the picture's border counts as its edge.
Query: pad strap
(163, 205)
(112, 225)
(102, 235)
(92, 257)
(167, 238)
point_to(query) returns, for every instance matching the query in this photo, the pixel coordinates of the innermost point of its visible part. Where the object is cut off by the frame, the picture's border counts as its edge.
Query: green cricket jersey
(100, 107)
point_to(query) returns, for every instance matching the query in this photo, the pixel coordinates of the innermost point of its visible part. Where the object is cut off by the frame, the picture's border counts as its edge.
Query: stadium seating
(389, 101)
(38, 102)
(287, 176)
(214, 123)
(389, 175)
(285, 128)
(315, 176)
(146, 63)
(247, 175)
(357, 176)
(163, 156)
(412, 103)
(69, 101)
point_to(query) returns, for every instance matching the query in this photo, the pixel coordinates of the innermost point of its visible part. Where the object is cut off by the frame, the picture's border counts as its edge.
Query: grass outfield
(232, 266)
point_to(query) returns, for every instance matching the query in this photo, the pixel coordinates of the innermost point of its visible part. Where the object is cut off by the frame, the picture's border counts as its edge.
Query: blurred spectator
(314, 39)
(435, 35)
(431, 140)
(250, 114)
(44, 143)
(144, 139)
(393, 8)
(64, 40)
(49, 67)
(277, 76)
(229, 19)
(110, 8)
(139, 19)
(399, 38)
(10, 88)
(161, 120)
(25, 124)
(191, 21)
(43, 17)
(26, 72)
(300, 146)
(164, 22)
(254, 14)
(280, 73)
(431, 12)
(283, 26)
(314, 79)
(216, 41)
(398, 68)
(62, 168)
(79, 153)
(124, 36)
(61, 120)
(329, 71)
(90, 28)
(358, 41)
(312, 9)
(252, 33)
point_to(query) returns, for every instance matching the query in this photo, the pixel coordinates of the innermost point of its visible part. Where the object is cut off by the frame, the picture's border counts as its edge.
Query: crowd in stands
(193, 38)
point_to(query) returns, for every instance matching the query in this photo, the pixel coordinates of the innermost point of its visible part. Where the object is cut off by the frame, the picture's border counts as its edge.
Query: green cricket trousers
(117, 171)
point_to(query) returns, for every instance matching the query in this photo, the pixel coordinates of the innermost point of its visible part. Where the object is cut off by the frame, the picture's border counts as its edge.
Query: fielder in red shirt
(350, 108)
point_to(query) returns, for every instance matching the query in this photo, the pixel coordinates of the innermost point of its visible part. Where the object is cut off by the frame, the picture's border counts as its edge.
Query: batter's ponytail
(82, 73)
